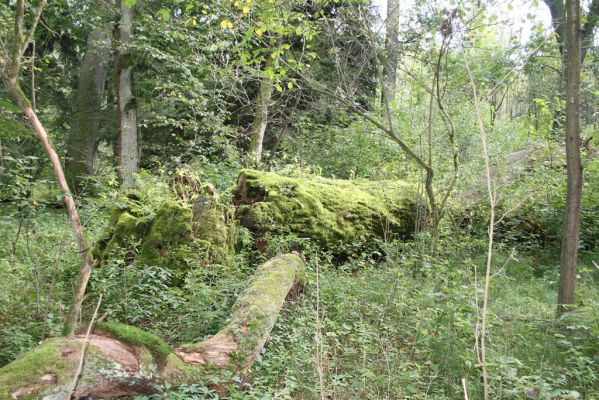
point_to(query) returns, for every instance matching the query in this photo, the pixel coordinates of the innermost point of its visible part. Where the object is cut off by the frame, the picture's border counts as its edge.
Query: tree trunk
(128, 139)
(569, 251)
(586, 35)
(85, 255)
(10, 77)
(83, 136)
(124, 361)
(392, 54)
(261, 117)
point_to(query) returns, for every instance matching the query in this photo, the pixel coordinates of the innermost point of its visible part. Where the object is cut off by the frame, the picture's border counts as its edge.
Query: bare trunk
(10, 77)
(569, 252)
(128, 140)
(124, 361)
(85, 256)
(83, 136)
(261, 119)
(392, 53)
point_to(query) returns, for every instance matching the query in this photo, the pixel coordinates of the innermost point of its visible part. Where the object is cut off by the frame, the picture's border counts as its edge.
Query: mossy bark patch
(170, 228)
(332, 212)
(48, 366)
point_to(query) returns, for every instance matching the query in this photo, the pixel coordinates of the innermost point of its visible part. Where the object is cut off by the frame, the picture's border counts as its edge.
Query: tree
(391, 52)
(127, 103)
(559, 22)
(82, 140)
(10, 68)
(569, 251)
(261, 114)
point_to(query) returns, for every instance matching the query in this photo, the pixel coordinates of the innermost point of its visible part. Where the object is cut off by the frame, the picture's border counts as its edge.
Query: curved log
(121, 360)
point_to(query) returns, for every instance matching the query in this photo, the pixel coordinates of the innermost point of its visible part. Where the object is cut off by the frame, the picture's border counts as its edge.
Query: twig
(83, 347)
(492, 203)
(318, 334)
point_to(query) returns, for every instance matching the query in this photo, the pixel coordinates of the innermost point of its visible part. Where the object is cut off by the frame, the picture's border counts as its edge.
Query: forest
(299, 199)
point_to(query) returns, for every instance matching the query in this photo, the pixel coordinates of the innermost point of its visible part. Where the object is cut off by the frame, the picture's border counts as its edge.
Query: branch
(15, 62)
(32, 28)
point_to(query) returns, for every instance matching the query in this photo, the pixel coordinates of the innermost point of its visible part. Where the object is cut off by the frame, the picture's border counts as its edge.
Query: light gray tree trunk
(391, 53)
(128, 138)
(569, 251)
(82, 139)
(261, 117)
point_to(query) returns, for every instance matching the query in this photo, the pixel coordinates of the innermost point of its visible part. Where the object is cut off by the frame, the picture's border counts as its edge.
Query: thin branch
(33, 27)
(491, 230)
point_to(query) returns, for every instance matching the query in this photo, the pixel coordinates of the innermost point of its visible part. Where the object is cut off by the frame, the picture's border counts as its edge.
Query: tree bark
(569, 251)
(392, 54)
(82, 139)
(128, 138)
(122, 361)
(261, 117)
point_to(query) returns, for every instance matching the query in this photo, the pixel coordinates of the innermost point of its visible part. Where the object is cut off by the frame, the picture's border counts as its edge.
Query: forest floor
(397, 327)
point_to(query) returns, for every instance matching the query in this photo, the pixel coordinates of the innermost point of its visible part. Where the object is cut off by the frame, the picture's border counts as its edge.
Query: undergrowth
(397, 324)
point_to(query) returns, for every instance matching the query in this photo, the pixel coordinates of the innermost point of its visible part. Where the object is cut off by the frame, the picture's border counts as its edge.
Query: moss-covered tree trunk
(121, 360)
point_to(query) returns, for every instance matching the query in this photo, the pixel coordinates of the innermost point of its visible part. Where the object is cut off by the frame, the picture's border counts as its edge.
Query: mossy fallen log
(334, 213)
(122, 361)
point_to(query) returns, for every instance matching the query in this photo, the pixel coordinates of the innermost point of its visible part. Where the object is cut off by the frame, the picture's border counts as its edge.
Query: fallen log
(121, 360)
(334, 213)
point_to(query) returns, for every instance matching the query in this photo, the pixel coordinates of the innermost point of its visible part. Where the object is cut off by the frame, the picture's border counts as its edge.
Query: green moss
(170, 228)
(214, 228)
(132, 335)
(331, 212)
(29, 368)
(174, 234)
(126, 228)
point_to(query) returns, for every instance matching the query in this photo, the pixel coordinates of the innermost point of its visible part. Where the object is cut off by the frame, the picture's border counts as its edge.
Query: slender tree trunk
(569, 252)
(391, 53)
(10, 77)
(82, 139)
(128, 139)
(261, 117)
(391, 48)
(85, 256)
(586, 34)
